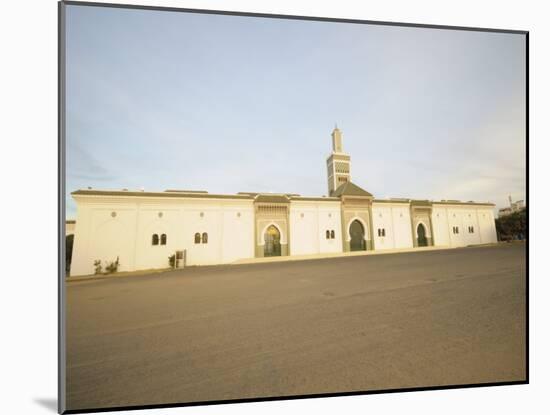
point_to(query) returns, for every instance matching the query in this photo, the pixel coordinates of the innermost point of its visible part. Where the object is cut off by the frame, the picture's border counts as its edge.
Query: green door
(357, 234)
(421, 232)
(272, 240)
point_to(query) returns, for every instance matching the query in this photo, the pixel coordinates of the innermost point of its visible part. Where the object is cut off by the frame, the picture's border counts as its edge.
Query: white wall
(309, 221)
(128, 235)
(481, 218)
(486, 221)
(395, 218)
(441, 226)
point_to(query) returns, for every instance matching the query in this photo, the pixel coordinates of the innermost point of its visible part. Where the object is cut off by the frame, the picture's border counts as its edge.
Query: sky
(160, 100)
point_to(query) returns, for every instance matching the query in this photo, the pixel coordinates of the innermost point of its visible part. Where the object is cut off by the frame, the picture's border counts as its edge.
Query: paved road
(293, 328)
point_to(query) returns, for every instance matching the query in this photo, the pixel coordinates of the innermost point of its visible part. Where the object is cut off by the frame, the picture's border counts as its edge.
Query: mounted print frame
(260, 207)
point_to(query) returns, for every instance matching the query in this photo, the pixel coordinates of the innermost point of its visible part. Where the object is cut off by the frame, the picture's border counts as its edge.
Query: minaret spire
(338, 163)
(336, 140)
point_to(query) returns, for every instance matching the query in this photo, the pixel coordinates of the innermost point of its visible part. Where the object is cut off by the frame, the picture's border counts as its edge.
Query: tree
(512, 226)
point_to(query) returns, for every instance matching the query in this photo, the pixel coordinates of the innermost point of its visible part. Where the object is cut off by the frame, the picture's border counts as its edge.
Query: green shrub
(112, 267)
(97, 266)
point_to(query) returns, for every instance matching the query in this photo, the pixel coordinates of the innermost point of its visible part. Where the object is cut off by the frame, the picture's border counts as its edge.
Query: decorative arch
(272, 241)
(421, 234)
(358, 237)
(426, 228)
(362, 222)
(265, 228)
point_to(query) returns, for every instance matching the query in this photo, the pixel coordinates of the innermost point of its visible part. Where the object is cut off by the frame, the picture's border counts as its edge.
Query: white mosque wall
(486, 221)
(108, 228)
(442, 229)
(309, 221)
(395, 220)
(475, 225)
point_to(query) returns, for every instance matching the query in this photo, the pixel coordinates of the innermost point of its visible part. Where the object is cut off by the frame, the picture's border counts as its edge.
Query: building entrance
(272, 240)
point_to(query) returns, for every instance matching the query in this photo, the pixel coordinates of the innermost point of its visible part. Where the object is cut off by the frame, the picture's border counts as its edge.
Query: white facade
(123, 227)
(391, 225)
(143, 229)
(458, 225)
(309, 223)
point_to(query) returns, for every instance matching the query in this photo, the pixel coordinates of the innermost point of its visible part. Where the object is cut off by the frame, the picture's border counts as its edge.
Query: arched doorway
(421, 232)
(357, 234)
(272, 238)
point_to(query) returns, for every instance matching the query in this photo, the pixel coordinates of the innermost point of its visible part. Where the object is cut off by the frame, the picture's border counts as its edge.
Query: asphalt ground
(296, 328)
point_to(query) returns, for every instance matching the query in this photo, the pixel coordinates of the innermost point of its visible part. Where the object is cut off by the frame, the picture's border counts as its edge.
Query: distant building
(514, 207)
(143, 229)
(69, 227)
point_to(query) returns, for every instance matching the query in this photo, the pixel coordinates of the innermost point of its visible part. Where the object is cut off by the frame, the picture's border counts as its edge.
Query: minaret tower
(338, 163)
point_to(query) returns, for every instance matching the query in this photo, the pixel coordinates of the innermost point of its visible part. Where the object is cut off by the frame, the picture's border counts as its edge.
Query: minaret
(338, 163)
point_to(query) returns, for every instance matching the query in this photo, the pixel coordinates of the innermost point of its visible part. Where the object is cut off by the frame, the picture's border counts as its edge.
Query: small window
(328, 234)
(204, 238)
(384, 232)
(155, 239)
(197, 238)
(163, 239)
(332, 234)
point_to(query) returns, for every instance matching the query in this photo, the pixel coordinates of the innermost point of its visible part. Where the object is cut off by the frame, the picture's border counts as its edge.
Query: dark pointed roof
(350, 189)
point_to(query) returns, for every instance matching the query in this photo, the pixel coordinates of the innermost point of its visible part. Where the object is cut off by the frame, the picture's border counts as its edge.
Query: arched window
(155, 239)
(197, 238)
(163, 239)
(328, 234)
(204, 238)
(332, 234)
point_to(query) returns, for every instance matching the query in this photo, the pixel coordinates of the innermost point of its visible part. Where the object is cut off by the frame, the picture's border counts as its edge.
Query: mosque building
(143, 229)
